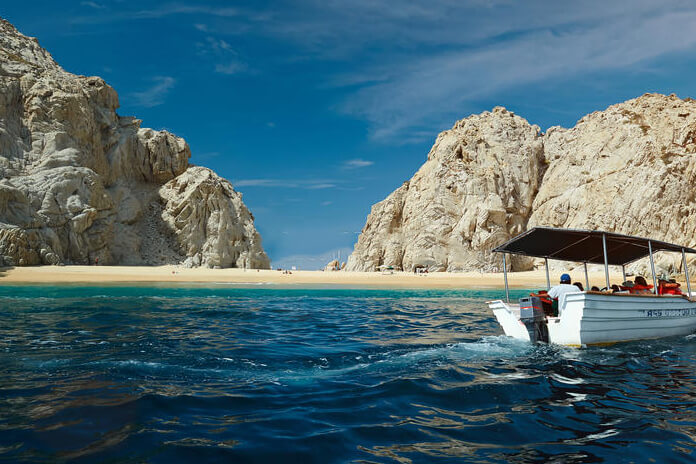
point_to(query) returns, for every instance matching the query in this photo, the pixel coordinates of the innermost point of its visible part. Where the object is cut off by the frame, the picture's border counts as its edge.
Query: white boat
(590, 317)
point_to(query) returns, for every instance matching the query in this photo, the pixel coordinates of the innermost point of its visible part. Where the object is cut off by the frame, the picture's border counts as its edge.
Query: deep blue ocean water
(220, 374)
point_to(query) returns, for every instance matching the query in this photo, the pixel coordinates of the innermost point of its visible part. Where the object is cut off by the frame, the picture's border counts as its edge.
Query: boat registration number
(669, 312)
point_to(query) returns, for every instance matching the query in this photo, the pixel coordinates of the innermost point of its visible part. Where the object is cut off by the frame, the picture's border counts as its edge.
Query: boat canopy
(585, 246)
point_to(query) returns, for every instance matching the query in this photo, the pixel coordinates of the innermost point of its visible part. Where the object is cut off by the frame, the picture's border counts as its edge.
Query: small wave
(51, 363)
(131, 363)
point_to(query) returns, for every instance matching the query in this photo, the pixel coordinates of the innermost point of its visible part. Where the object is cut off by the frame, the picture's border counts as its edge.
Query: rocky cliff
(79, 183)
(629, 169)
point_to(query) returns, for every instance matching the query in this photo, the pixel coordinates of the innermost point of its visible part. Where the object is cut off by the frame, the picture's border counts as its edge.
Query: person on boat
(641, 286)
(558, 292)
(562, 288)
(579, 285)
(668, 286)
(594, 288)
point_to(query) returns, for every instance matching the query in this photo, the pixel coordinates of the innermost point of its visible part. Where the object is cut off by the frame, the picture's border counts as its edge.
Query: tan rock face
(629, 169)
(475, 191)
(78, 182)
(333, 265)
(210, 222)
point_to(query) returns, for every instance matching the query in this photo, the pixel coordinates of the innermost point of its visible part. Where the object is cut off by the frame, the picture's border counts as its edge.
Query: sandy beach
(181, 275)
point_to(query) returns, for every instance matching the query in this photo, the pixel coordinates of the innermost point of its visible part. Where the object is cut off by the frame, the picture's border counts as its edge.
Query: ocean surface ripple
(217, 374)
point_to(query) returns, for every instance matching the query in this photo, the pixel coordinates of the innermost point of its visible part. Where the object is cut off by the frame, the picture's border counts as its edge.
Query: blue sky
(315, 109)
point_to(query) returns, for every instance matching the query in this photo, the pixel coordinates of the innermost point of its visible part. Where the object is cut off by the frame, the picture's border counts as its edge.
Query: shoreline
(180, 276)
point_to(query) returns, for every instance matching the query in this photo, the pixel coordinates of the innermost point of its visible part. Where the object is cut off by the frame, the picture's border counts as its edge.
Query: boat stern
(508, 316)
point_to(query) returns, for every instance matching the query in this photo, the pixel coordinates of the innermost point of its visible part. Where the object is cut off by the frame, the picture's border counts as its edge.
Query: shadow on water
(172, 375)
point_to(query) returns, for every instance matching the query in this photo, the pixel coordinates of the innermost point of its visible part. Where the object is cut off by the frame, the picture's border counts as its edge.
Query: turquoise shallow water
(134, 374)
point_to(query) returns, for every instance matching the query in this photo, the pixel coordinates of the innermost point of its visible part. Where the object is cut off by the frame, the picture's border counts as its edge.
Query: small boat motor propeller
(533, 317)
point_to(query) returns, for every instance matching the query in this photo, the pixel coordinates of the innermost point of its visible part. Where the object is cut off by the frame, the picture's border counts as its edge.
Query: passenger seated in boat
(563, 287)
(579, 285)
(668, 287)
(594, 288)
(615, 288)
(641, 286)
(558, 292)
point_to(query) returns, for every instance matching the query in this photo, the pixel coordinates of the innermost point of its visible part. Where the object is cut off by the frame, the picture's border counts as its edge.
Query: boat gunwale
(639, 295)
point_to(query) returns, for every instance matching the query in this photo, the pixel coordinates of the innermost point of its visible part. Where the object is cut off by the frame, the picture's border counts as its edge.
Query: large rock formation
(78, 182)
(474, 192)
(629, 169)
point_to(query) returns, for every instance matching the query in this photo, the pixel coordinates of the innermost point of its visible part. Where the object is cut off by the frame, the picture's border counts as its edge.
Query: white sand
(177, 274)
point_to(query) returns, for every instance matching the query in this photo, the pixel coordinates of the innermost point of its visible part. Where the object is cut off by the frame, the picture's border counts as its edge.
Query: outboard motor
(533, 317)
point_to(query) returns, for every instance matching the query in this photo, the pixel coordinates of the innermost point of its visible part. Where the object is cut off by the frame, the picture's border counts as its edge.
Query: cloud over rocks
(155, 94)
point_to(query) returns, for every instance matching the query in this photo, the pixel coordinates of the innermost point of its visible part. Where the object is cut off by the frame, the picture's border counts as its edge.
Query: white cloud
(183, 9)
(321, 186)
(420, 67)
(411, 68)
(233, 67)
(434, 88)
(357, 163)
(169, 9)
(226, 58)
(154, 95)
(213, 46)
(94, 5)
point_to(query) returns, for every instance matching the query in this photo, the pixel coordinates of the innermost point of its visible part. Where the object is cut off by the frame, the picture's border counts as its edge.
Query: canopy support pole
(548, 281)
(587, 279)
(686, 273)
(606, 260)
(652, 267)
(507, 292)
(623, 271)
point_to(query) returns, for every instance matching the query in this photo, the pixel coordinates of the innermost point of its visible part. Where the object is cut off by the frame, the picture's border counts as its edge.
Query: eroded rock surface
(475, 191)
(211, 224)
(629, 169)
(79, 183)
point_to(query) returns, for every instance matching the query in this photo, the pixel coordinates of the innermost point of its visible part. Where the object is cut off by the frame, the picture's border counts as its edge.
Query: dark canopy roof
(583, 246)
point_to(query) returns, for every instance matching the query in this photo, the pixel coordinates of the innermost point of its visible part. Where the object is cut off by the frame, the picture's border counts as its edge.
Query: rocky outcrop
(629, 169)
(79, 183)
(210, 222)
(475, 191)
(333, 265)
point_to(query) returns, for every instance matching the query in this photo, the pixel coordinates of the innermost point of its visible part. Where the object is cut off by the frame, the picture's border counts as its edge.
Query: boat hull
(591, 318)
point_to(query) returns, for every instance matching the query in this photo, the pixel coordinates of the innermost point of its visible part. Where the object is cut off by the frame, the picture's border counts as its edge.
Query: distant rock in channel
(79, 183)
(333, 265)
(629, 169)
